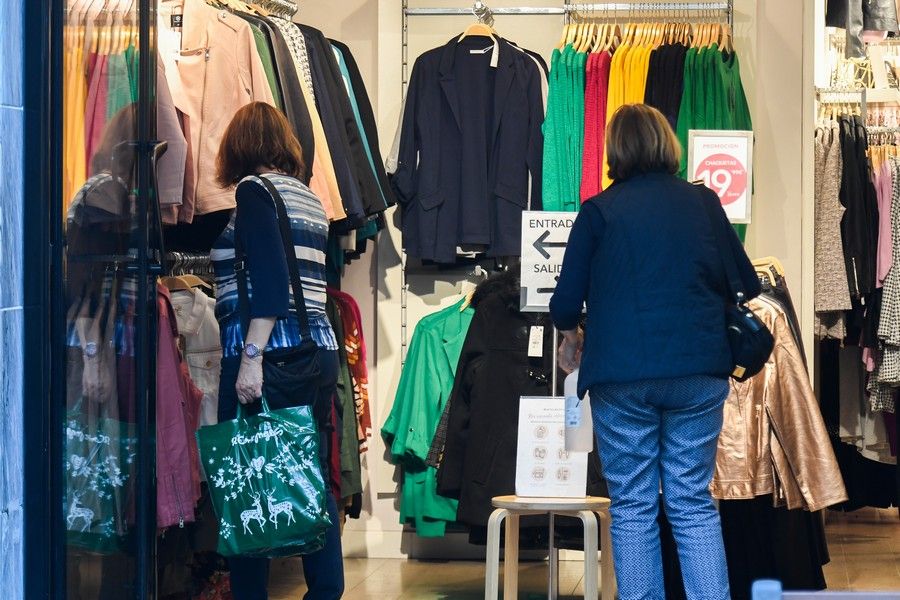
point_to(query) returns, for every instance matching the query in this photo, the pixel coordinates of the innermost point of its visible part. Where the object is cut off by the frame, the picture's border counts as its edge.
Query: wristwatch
(252, 351)
(91, 349)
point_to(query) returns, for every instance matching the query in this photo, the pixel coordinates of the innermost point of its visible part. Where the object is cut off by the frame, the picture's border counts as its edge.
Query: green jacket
(425, 386)
(265, 55)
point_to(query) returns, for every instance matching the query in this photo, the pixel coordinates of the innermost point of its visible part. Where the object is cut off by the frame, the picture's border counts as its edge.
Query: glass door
(104, 337)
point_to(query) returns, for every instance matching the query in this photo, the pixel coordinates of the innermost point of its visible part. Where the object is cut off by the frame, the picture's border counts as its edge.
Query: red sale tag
(725, 174)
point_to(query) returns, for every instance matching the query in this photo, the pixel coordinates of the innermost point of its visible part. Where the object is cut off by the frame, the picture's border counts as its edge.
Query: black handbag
(290, 375)
(750, 340)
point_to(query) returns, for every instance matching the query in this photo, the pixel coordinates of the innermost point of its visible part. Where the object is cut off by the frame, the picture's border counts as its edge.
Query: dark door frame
(44, 310)
(42, 220)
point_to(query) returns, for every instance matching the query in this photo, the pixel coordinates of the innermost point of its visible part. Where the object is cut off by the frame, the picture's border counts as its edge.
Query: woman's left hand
(250, 380)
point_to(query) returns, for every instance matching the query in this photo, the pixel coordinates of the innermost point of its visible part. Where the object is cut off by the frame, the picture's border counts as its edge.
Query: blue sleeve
(257, 225)
(568, 300)
(746, 271)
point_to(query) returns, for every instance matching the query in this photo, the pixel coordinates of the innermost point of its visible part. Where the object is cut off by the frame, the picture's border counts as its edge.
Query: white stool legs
(590, 554)
(511, 557)
(492, 568)
(607, 569)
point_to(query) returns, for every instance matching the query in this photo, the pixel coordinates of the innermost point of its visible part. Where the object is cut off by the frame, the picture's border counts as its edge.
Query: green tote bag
(266, 483)
(98, 469)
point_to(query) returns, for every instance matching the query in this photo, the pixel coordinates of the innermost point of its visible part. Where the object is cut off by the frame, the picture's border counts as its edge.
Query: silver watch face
(251, 350)
(91, 349)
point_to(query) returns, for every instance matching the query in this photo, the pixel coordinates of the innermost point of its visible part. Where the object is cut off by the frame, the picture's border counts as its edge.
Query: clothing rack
(188, 263)
(485, 15)
(844, 96)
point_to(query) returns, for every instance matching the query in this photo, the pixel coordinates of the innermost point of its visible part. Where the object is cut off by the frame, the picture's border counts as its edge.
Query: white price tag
(536, 342)
(573, 412)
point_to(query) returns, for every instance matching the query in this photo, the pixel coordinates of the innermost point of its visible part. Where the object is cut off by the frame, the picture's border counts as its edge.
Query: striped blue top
(257, 222)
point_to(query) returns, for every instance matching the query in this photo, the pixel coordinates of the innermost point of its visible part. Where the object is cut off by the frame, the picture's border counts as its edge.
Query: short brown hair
(258, 137)
(640, 140)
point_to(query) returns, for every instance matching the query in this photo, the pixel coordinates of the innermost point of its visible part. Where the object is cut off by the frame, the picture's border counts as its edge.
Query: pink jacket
(214, 72)
(177, 413)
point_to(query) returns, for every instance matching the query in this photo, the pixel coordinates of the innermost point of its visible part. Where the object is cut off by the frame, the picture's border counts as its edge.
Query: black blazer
(295, 107)
(471, 136)
(323, 60)
(367, 116)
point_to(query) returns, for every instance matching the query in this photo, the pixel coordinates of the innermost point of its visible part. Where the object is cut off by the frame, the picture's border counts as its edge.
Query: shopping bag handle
(241, 411)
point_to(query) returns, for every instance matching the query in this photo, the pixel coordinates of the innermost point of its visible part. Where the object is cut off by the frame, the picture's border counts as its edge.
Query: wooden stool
(511, 508)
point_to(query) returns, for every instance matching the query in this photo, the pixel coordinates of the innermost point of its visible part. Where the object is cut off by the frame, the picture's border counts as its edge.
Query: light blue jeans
(663, 433)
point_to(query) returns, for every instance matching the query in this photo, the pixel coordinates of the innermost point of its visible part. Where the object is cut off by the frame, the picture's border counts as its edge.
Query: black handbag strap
(735, 284)
(290, 255)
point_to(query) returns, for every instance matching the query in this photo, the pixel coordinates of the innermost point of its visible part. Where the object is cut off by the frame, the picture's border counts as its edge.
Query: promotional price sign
(723, 161)
(544, 468)
(544, 239)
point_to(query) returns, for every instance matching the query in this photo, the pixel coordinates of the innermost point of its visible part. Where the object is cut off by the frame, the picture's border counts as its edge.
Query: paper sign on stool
(544, 469)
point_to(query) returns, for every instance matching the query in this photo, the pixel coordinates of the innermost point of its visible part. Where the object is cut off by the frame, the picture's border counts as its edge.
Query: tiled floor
(865, 553)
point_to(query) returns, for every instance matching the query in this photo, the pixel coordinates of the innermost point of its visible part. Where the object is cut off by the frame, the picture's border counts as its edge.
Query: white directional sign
(544, 239)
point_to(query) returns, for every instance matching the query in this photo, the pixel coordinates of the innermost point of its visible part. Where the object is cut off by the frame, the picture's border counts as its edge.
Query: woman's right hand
(570, 350)
(250, 380)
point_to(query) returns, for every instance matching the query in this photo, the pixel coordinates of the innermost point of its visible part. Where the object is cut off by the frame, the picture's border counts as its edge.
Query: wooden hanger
(769, 261)
(476, 30)
(600, 38)
(727, 38)
(563, 37)
(185, 283)
(259, 9)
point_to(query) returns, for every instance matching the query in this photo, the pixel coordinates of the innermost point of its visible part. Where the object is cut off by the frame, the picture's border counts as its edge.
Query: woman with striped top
(259, 144)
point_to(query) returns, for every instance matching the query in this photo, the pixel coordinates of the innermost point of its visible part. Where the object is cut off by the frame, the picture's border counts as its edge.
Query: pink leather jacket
(214, 72)
(177, 414)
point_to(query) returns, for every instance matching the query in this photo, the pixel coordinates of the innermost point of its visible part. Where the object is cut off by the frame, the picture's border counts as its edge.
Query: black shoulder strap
(290, 255)
(736, 286)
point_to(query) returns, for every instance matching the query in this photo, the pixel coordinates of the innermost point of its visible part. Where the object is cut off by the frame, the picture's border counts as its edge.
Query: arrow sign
(544, 236)
(541, 244)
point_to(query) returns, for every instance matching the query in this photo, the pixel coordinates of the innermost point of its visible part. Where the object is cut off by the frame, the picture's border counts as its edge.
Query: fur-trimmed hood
(504, 284)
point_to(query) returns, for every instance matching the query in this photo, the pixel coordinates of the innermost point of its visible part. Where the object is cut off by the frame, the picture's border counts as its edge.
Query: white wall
(772, 38)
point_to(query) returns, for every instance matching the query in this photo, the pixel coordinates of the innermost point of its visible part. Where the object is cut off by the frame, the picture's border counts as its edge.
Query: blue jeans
(324, 569)
(663, 433)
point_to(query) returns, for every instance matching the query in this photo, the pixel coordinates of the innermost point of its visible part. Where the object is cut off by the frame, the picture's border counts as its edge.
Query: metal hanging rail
(569, 9)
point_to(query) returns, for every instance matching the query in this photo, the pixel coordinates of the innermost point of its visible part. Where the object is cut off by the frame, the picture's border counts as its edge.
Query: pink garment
(95, 109)
(177, 414)
(590, 174)
(596, 90)
(884, 189)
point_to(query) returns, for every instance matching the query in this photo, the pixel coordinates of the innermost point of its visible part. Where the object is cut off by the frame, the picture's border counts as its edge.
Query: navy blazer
(643, 254)
(471, 136)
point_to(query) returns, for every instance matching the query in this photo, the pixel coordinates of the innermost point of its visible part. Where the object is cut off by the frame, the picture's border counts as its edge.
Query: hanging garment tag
(573, 411)
(579, 428)
(177, 21)
(536, 342)
(485, 51)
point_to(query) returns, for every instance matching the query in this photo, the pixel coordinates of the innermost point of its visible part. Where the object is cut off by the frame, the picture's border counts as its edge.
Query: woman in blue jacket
(653, 354)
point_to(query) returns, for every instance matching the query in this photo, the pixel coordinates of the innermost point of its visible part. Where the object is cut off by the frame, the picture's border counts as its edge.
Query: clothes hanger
(259, 9)
(769, 261)
(185, 283)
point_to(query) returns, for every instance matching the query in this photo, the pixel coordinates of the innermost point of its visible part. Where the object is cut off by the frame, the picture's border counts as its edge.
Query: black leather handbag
(290, 375)
(750, 340)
